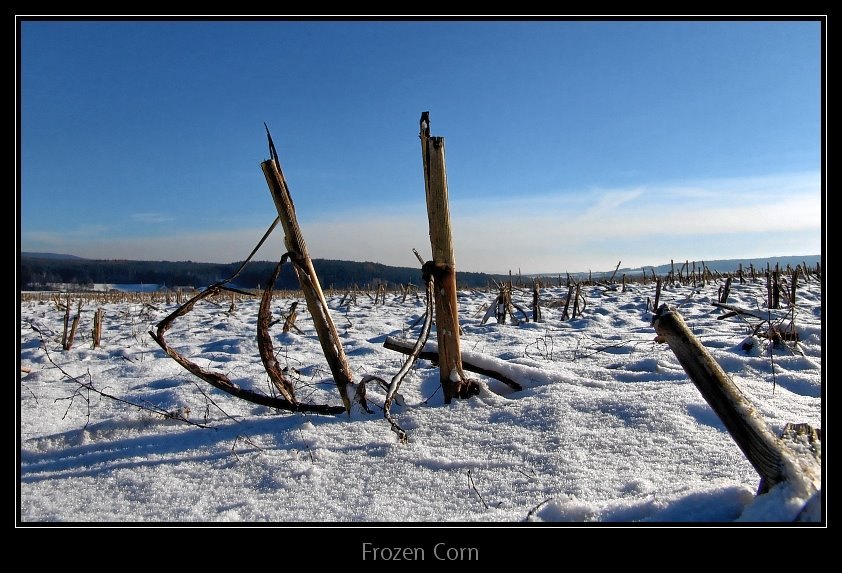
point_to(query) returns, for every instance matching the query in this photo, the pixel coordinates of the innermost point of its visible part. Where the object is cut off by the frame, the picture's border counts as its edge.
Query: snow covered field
(611, 430)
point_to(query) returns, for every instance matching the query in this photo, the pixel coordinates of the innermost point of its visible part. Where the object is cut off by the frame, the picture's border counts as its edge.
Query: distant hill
(38, 272)
(721, 265)
(732, 265)
(49, 256)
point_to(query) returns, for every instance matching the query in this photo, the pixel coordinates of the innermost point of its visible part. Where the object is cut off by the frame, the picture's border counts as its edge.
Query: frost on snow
(607, 428)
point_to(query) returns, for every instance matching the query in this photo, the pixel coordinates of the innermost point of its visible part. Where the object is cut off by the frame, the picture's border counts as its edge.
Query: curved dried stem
(217, 379)
(395, 384)
(264, 340)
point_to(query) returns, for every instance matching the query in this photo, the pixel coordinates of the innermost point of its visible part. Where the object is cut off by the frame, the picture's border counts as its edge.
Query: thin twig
(471, 483)
(78, 394)
(217, 406)
(431, 396)
(604, 348)
(40, 330)
(306, 445)
(532, 477)
(536, 508)
(28, 389)
(89, 387)
(245, 438)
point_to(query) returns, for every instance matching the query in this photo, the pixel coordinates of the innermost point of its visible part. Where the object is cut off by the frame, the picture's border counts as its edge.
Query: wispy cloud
(210, 246)
(542, 233)
(82, 234)
(608, 201)
(151, 218)
(616, 224)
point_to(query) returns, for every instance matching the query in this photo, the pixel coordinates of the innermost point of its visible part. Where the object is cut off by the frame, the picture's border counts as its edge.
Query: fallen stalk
(405, 347)
(776, 460)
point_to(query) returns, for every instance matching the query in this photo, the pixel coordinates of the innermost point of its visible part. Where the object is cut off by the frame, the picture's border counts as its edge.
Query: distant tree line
(39, 272)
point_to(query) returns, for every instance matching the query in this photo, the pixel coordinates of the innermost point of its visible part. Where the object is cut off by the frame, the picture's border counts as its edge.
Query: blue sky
(570, 145)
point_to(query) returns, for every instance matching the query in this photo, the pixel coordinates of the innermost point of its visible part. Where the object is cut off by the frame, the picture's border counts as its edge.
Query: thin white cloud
(611, 200)
(151, 218)
(82, 233)
(603, 226)
(650, 224)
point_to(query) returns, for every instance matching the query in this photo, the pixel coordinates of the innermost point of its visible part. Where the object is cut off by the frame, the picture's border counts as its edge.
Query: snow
(607, 428)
